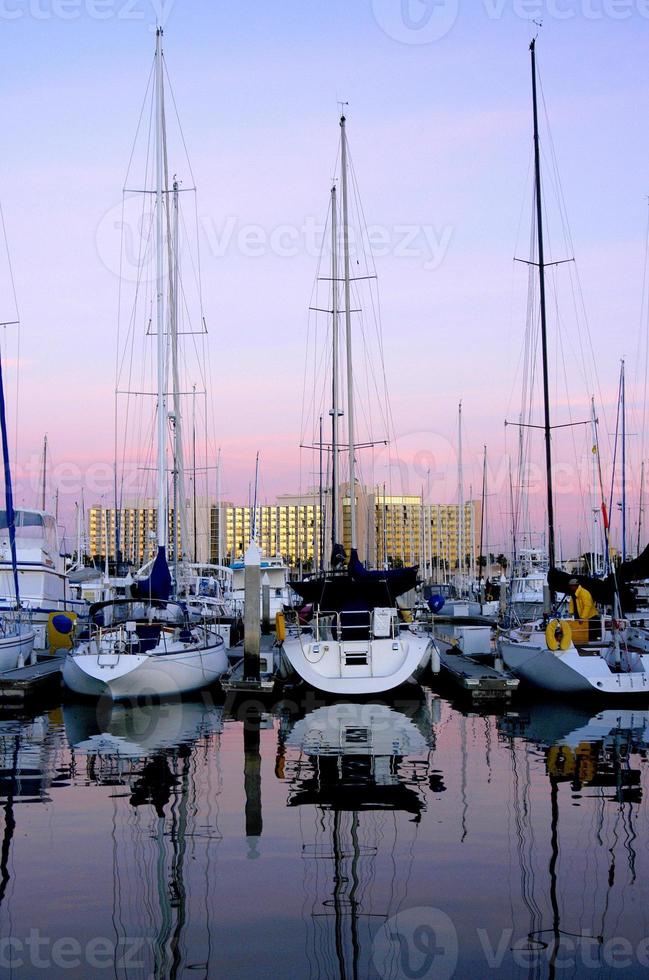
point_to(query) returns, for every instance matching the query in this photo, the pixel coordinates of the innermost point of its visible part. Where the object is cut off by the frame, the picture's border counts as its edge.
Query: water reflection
(172, 820)
(591, 752)
(598, 758)
(370, 825)
(356, 767)
(30, 766)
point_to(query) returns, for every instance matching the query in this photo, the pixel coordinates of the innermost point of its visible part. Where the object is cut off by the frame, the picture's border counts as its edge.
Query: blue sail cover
(9, 495)
(157, 587)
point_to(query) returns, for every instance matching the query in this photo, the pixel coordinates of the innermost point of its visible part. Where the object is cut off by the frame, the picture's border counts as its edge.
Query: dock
(23, 683)
(480, 682)
(235, 682)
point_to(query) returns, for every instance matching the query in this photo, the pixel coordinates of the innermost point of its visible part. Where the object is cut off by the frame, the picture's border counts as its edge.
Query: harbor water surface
(395, 840)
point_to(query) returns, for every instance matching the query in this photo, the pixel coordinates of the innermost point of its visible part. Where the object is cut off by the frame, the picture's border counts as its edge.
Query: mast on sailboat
(160, 282)
(335, 410)
(44, 474)
(348, 341)
(482, 523)
(461, 564)
(544, 338)
(623, 410)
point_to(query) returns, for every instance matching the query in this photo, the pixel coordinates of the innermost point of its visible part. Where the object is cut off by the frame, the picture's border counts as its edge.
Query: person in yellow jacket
(582, 606)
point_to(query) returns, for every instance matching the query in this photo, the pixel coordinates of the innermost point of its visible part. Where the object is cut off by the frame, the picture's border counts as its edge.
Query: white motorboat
(274, 575)
(527, 595)
(44, 584)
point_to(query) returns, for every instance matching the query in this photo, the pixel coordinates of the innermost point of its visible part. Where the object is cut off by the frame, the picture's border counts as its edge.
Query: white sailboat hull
(131, 675)
(16, 648)
(368, 666)
(571, 671)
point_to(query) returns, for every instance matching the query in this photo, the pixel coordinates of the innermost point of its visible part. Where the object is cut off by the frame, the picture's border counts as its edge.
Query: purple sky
(439, 127)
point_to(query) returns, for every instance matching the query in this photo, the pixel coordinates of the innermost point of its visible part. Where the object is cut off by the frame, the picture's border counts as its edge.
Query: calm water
(411, 841)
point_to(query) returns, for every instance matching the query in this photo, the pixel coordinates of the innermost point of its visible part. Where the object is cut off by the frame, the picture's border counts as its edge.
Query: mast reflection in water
(152, 753)
(389, 841)
(358, 767)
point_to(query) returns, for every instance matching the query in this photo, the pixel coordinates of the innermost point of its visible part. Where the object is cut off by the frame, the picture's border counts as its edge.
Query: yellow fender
(280, 627)
(558, 635)
(60, 630)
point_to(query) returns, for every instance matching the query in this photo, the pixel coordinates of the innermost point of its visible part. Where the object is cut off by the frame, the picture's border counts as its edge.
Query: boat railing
(137, 634)
(353, 625)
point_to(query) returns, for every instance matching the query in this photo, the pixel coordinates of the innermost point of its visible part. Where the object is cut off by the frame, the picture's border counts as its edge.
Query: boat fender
(436, 603)
(60, 630)
(558, 635)
(280, 627)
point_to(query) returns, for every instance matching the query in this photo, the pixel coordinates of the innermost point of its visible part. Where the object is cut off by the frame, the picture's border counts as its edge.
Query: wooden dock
(480, 682)
(23, 683)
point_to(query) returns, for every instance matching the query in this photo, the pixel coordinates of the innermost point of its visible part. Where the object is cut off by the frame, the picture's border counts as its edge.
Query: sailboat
(355, 642)
(554, 654)
(150, 645)
(16, 632)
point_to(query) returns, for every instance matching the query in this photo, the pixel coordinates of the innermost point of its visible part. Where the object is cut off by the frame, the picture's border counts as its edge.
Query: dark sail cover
(636, 569)
(602, 589)
(358, 589)
(158, 585)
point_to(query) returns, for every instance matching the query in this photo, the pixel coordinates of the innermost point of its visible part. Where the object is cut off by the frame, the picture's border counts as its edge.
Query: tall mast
(44, 474)
(348, 338)
(623, 409)
(162, 398)
(335, 412)
(461, 543)
(320, 522)
(544, 338)
(482, 521)
(640, 507)
(595, 538)
(218, 508)
(194, 472)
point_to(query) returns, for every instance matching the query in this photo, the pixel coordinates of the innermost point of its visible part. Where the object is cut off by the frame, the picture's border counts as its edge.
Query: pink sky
(440, 136)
